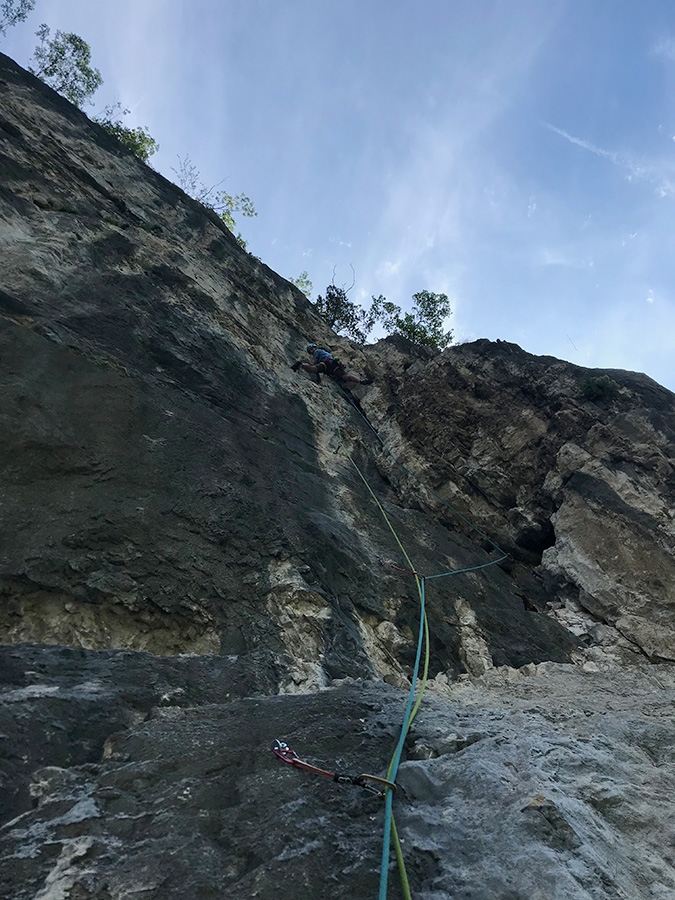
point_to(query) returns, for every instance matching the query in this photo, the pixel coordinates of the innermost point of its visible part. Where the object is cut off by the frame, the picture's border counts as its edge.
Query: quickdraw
(372, 783)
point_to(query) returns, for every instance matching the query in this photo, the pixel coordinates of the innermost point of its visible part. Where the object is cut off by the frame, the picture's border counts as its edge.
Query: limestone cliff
(186, 540)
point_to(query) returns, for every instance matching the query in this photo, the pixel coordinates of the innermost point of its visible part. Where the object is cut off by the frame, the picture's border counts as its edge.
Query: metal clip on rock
(372, 783)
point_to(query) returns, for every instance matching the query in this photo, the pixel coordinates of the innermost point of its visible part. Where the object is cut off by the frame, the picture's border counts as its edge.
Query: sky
(516, 155)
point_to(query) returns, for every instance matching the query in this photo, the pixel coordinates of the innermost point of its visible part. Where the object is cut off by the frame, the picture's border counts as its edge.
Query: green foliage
(598, 388)
(138, 140)
(14, 11)
(64, 63)
(226, 205)
(342, 315)
(424, 325)
(303, 284)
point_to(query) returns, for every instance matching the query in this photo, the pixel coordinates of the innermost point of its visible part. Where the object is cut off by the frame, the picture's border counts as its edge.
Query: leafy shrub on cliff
(598, 388)
(138, 140)
(303, 284)
(14, 11)
(223, 204)
(342, 315)
(422, 325)
(64, 63)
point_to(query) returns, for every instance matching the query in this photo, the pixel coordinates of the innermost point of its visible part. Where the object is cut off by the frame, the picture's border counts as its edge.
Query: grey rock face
(189, 569)
(582, 490)
(170, 484)
(191, 801)
(553, 783)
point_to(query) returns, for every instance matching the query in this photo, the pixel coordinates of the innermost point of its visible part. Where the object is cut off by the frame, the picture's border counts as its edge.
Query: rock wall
(548, 782)
(171, 484)
(580, 491)
(190, 568)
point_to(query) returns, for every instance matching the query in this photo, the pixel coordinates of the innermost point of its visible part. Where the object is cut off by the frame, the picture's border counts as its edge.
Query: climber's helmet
(311, 348)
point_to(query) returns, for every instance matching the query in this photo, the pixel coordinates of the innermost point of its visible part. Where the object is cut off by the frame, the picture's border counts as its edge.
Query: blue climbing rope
(396, 758)
(412, 706)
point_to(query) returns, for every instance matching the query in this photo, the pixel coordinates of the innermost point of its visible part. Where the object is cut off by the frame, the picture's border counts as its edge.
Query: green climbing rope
(412, 704)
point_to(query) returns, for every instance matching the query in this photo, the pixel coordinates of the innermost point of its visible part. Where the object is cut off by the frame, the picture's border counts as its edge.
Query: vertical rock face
(171, 484)
(582, 491)
(191, 539)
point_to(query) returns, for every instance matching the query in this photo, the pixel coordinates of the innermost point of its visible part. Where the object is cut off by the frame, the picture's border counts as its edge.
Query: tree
(423, 325)
(226, 205)
(303, 284)
(64, 63)
(14, 11)
(598, 388)
(342, 315)
(138, 140)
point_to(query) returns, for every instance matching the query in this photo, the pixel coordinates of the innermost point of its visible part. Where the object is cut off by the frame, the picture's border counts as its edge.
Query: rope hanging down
(390, 831)
(385, 787)
(409, 714)
(434, 493)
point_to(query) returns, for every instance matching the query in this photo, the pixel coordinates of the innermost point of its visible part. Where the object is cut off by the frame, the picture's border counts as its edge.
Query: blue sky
(518, 155)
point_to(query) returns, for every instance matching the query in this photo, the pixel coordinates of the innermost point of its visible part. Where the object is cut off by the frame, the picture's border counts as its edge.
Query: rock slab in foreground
(556, 786)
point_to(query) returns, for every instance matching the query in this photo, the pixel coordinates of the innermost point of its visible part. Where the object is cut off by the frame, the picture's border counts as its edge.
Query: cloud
(665, 47)
(661, 174)
(586, 145)
(389, 268)
(560, 258)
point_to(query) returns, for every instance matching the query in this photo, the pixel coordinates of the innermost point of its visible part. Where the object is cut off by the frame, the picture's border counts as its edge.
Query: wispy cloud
(661, 174)
(549, 257)
(665, 47)
(389, 267)
(586, 145)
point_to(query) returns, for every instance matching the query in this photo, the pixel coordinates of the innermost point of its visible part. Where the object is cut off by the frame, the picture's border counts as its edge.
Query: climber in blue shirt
(325, 363)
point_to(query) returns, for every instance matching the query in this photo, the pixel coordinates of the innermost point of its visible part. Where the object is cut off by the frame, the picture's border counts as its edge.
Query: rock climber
(325, 363)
